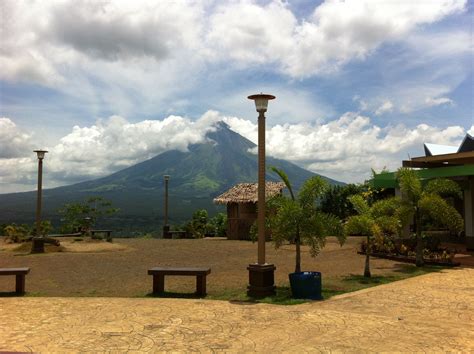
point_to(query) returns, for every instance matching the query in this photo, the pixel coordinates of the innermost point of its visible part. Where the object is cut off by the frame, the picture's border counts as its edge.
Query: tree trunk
(298, 251)
(419, 242)
(367, 259)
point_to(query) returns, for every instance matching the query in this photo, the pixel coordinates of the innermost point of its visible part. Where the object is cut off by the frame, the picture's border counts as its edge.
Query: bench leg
(20, 284)
(201, 285)
(158, 284)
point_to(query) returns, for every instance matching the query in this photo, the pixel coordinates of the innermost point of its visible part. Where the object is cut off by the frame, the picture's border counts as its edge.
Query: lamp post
(166, 227)
(261, 274)
(38, 241)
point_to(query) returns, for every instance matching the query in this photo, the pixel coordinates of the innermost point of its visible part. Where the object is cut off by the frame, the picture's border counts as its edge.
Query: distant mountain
(197, 176)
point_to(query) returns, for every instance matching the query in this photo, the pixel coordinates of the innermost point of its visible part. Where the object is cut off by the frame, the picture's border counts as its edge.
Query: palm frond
(444, 188)
(284, 178)
(410, 185)
(437, 208)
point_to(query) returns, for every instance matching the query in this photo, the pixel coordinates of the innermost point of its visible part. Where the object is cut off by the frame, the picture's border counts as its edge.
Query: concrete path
(434, 312)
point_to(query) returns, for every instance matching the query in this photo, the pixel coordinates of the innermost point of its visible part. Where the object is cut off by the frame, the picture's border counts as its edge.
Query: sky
(103, 85)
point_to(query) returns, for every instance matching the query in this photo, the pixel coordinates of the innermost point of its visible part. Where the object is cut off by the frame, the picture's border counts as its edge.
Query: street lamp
(166, 227)
(261, 274)
(38, 241)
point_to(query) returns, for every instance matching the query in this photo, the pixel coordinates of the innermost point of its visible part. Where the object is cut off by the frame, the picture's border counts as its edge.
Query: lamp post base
(37, 245)
(166, 231)
(261, 280)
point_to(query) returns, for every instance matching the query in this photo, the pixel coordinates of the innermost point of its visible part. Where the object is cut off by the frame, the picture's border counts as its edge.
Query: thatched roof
(247, 193)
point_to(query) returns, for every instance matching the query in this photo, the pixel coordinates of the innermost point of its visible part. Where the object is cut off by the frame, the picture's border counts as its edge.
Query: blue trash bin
(306, 285)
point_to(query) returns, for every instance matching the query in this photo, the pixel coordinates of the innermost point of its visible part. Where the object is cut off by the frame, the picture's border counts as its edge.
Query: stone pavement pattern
(434, 312)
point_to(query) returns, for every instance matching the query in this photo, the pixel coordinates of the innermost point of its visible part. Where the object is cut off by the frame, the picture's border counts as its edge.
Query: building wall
(469, 214)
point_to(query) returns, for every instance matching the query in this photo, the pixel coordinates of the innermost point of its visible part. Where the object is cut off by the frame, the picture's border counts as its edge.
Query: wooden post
(158, 283)
(20, 284)
(201, 285)
(261, 187)
(38, 197)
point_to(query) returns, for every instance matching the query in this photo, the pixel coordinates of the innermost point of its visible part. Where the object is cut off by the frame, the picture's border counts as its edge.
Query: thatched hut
(241, 201)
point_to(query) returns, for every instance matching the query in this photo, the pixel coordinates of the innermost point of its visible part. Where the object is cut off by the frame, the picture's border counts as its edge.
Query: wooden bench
(160, 272)
(20, 277)
(108, 234)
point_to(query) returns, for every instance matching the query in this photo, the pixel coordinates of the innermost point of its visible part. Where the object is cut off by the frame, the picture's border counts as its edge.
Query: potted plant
(297, 219)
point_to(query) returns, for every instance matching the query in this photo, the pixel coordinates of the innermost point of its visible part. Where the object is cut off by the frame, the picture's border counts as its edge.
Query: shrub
(17, 233)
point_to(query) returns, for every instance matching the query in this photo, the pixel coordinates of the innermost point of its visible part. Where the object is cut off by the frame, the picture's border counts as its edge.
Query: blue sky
(359, 84)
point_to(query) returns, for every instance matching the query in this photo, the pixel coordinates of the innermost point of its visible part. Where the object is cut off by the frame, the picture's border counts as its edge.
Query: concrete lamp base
(261, 280)
(166, 231)
(37, 245)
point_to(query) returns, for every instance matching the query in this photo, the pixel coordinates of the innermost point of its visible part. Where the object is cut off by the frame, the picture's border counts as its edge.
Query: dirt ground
(120, 269)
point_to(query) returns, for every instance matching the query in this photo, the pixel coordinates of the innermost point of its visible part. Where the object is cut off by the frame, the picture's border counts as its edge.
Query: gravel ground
(122, 271)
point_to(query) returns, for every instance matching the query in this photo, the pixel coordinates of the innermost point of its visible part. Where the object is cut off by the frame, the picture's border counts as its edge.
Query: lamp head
(40, 153)
(261, 101)
(167, 177)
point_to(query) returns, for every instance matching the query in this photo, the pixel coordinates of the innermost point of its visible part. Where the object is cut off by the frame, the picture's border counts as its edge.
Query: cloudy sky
(104, 85)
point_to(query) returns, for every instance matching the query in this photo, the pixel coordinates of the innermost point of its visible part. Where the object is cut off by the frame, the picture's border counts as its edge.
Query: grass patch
(332, 286)
(356, 282)
(282, 297)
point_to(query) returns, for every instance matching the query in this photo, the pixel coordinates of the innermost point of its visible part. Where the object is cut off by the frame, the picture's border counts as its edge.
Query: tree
(219, 224)
(376, 220)
(83, 215)
(420, 202)
(198, 226)
(335, 200)
(297, 218)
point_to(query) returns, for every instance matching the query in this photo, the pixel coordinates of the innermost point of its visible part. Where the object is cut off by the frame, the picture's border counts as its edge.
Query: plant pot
(306, 285)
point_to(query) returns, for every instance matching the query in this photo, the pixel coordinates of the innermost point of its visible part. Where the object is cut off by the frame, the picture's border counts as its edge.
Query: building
(241, 201)
(441, 161)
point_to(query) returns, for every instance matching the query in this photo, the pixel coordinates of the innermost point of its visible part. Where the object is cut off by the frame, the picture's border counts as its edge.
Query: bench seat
(159, 273)
(20, 274)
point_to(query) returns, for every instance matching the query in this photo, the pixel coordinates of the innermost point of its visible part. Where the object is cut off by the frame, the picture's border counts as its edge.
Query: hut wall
(240, 218)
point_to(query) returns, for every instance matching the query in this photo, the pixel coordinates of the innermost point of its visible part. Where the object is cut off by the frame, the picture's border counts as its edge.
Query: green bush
(200, 225)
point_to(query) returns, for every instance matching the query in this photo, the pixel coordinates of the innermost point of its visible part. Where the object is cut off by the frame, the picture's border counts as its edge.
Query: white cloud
(344, 149)
(430, 101)
(98, 150)
(115, 54)
(13, 142)
(41, 41)
(408, 96)
(337, 31)
(126, 30)
(347, 148)
(387, 106)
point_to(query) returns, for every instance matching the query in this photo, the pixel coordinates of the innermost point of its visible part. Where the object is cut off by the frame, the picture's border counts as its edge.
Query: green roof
(388, 179)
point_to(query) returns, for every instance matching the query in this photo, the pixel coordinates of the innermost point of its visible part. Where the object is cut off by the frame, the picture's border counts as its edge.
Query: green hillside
(197, 176)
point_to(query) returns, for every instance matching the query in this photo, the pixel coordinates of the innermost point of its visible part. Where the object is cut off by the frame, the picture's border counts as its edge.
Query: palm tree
(376, 220)
(297, 218)
(422, 201)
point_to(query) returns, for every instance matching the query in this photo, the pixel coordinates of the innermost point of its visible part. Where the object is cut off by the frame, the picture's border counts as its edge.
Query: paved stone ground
(434, 312)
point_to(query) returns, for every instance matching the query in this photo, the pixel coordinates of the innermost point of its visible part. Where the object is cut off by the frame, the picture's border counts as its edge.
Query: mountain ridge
(197, 176)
